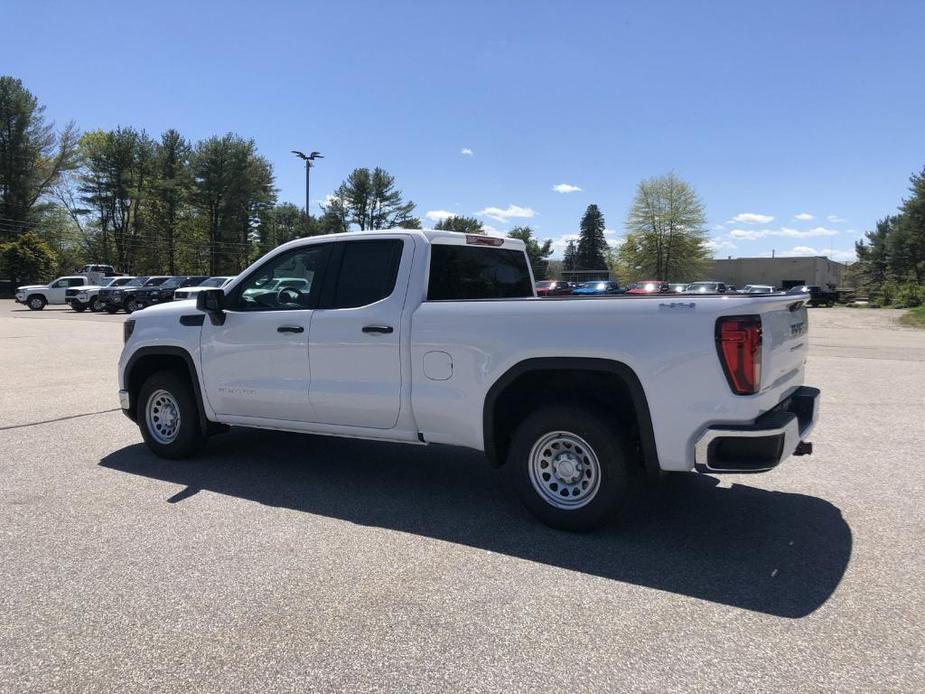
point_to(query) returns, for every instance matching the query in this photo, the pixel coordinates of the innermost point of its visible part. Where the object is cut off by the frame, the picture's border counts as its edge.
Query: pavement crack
(58, 419)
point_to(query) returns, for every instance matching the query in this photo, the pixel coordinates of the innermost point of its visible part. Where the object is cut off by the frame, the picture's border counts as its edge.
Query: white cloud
(719, 244)
(489, 229)
(467, 152)
(831, 253)
(752, 234)
(565, 188)
(835, 219)
(751, 218)
(438, 215)
(803, 216)
(510, 212)
(559, 244)
(610, 232)
(719, 227)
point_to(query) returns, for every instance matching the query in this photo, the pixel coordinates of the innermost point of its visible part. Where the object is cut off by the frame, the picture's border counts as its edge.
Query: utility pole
(309, 158)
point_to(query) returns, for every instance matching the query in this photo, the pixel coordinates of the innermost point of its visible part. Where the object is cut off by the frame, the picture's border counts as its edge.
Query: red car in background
(553, 288)
(648, 287)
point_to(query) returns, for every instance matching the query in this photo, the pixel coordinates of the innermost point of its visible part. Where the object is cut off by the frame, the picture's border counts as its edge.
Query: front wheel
(131, 306)
(36, 303)
(79, 307)
(111, 310)
(96, 306)
(570, 467)
(168, 416)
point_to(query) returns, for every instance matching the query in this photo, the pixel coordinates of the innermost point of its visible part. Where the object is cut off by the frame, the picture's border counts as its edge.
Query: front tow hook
(803, 448)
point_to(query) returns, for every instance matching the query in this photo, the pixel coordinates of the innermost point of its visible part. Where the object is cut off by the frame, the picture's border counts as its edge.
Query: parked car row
(609, 287)
(125, 293)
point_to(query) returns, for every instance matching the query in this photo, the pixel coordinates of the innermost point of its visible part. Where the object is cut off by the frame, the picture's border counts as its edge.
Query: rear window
(473, 272)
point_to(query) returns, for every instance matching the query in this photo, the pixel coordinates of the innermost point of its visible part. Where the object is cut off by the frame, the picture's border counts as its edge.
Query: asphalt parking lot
(278, 561)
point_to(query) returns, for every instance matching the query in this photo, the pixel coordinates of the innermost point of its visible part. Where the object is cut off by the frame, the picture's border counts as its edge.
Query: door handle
(378, 329)
(290, 329)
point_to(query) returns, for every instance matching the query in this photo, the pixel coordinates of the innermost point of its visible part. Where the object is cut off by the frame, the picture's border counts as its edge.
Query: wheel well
(144, 365)
(607, 387)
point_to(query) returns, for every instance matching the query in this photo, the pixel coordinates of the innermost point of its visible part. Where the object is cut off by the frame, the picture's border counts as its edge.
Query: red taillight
(738, 341)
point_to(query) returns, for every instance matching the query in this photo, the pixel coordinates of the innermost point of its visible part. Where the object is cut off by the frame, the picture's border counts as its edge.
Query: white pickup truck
(437, 337)
(38, 296)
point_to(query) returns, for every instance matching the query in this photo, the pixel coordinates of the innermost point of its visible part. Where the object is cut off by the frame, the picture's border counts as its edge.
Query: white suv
(37, 296)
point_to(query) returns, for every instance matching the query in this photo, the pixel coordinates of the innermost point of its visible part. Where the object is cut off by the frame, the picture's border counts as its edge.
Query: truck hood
(167, 310)
(27, 287)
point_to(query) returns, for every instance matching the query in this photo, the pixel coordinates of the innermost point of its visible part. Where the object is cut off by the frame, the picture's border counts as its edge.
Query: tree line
(167, 204)
(891, 258)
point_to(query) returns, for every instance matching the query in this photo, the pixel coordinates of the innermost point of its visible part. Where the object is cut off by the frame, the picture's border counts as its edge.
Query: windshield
(215, 282)
(704, 287)
(544, 285)
(172, 282)
(136, 282)
(592, 285)
(156, 281)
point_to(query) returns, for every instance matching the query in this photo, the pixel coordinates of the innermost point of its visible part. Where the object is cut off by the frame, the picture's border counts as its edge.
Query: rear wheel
(570, 467)
(96, 306)
(79, 307)
(36, 302)
(168, 416)
(131, 306)
(111, 309)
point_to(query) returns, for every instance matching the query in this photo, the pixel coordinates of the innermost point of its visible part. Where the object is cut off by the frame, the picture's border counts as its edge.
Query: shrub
(910, 296)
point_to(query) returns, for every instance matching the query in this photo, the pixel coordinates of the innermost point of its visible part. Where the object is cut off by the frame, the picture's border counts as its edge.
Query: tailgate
(785, 341)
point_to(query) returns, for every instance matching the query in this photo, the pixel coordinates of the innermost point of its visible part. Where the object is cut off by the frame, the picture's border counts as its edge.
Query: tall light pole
(309, 158)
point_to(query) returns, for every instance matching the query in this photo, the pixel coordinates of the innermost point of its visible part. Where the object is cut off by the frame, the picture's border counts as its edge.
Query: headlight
(128, 327)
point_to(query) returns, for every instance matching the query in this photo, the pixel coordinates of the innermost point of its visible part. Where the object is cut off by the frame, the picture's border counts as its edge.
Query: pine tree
(464, 225)
(570, 259)
(592, 247)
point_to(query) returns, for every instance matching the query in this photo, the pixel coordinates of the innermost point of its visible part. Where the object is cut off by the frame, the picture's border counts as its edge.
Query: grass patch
(914, 317)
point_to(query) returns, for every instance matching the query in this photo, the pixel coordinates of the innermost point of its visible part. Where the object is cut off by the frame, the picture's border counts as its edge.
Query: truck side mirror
(212, 301)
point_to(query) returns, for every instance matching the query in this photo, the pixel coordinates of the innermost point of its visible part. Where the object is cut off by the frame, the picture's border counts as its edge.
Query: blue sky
(773, 111)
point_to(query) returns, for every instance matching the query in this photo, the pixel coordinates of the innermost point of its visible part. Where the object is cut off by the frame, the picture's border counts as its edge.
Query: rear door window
(477, 272)
(367, 272)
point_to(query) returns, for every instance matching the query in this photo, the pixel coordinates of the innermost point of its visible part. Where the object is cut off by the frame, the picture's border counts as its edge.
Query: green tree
(116, 182)
(536, 252)
(464, 225)
(906, 244)
(665, 231)
(873, 258)
(32, 156)
(233, 188)
(285, 222)
(171, 191)
(28, 259)
(371, 200)
(592, 246)
(570, 257)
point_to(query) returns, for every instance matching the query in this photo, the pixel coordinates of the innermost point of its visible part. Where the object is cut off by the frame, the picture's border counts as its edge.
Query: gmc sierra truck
(437, 337)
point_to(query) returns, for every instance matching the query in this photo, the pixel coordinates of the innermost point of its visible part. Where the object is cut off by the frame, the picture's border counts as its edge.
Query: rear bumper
(763, 445)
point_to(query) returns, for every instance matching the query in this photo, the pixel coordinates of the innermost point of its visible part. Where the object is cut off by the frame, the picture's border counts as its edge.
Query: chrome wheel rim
(564, 470)
(162, 416)
(35, 303)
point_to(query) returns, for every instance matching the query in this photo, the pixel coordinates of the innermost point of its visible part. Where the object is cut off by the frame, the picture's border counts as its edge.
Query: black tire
(131, 306)
(189, 437)
(610, 447)
(79, 307)
(96, 306)
(36, 302)
(110, 309)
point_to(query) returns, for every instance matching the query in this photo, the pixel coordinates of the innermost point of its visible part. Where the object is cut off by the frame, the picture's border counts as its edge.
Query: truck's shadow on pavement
(773, 552)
